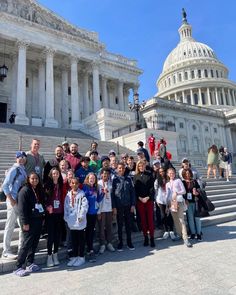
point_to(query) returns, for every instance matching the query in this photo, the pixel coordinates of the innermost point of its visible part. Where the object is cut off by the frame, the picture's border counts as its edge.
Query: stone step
(15, 235)
(223, 210)
(217, 219)
(218, 197)
(223, 202)
(222, 192)
(2, 224)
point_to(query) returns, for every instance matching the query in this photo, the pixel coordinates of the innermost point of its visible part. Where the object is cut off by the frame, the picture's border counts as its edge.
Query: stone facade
(59, 74)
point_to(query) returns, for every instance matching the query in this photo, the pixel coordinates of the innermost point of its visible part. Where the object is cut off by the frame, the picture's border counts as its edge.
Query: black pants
(78, 242)
(91, 222)
(167, 220)
(159, 222)
(124, 214)
(54, 222)
(30, 243)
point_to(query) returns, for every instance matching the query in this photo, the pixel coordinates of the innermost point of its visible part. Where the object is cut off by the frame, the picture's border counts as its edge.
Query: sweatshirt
(94, 198)
(75, 208)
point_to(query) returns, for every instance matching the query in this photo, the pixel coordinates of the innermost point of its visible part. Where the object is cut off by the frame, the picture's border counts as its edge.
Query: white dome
(188, 50)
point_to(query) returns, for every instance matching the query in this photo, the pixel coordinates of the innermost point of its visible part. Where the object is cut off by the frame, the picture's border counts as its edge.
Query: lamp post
(136, 106)
(3, 68)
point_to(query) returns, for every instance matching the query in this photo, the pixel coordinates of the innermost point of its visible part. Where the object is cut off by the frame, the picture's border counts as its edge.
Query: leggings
(91, 222)
(54, 223)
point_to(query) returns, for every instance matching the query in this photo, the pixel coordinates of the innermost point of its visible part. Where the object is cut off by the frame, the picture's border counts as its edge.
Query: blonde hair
(138, 163)
(86, 181)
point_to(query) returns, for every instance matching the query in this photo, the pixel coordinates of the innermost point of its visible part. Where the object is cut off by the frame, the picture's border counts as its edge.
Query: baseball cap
(156, 162)
(21, 154)
(105, 158)
(65, 142)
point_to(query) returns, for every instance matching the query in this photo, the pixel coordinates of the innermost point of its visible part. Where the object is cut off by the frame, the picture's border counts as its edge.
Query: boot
(146, 242)
(152, 242)
(50, 261)
(55, 259)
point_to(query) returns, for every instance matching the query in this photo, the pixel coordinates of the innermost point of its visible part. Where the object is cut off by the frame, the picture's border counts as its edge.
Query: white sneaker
(102, 249)
(9, 256)
(72, 261)
(55, 259)
(172, 235)
(50, 261)
(79, 261)
(227, 179)
(166, 235)
(110, 247)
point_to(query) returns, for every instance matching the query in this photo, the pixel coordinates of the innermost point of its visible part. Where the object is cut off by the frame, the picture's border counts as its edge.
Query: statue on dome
(184, 19)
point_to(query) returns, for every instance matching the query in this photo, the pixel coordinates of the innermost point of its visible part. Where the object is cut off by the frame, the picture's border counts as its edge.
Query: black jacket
(144, 185)
(122, 192)
(26, 205)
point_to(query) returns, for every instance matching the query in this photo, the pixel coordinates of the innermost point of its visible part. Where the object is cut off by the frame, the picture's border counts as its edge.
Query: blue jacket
(94, 198)
(81, 173)
(8, 186)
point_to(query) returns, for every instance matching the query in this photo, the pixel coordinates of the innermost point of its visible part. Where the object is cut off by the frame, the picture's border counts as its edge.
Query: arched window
(192, 74)
(195, 96)
(195, 144)
(186, 75)
(180, 77)
(206, 73)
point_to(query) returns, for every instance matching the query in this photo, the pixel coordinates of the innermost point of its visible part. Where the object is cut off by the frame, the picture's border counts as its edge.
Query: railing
(160, 125)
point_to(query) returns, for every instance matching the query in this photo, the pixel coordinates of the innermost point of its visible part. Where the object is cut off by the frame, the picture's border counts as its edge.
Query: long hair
(137, 171)
(86, 181)
(49, 184)
(162, 179)
(213, 148)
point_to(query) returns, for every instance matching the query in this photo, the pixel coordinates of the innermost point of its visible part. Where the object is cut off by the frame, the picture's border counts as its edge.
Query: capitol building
(195, 98)
(54, 74)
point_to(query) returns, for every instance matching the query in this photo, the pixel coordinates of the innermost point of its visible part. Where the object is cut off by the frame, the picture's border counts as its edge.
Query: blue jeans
(195, 224)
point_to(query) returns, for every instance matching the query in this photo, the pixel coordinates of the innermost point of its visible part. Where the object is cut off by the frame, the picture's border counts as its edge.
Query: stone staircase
(221, 193)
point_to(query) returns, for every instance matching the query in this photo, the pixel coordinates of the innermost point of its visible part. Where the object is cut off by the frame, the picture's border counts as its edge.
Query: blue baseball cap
(21, 154)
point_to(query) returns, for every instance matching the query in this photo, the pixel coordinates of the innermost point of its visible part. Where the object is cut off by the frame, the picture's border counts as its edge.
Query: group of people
(71, 195)
(219, 160)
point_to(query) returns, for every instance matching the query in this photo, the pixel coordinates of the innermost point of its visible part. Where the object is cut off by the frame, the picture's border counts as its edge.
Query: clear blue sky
(148, 30)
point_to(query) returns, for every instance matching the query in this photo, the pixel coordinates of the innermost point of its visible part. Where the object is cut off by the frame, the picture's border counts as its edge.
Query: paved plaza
(208, 268)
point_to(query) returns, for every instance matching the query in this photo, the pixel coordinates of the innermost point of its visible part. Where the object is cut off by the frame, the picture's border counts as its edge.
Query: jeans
(194, 222)
(124, 215)
(12, 217)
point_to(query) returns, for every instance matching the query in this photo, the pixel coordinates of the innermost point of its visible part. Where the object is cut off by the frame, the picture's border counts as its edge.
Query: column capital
(22, 44)
(64, 67)
(49, 51)
(74, 58)
(95, 64)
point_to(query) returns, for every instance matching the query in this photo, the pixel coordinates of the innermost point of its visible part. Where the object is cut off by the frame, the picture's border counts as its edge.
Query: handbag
(206, 202)
(2, 196)
(174, 205)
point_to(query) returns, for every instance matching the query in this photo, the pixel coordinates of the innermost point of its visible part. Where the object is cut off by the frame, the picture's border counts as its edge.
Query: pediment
(32, 11)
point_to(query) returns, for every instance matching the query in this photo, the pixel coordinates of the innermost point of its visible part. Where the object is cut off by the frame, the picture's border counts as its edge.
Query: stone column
(176, 97)
(14, 59)
(184, 97)
(50, 104)
(192, 98)
(230, 98)
(85, 94)
(199, 97)
(41, 89)
(104, 92)
(234, 99)
(121, 95)
(224, 98)
(21, 118)
(208, 96)
(96, 87)
(217, 97)
(65, 98)
(75, 111)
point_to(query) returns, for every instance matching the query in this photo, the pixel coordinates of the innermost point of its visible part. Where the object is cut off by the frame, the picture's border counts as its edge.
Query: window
(195, 96)
(188, 99)
(194, 127)
(183, 145)
(217, 74)
(181, 125)
(100, 97)
(195, 144)
(180, 77)
(174, 79)
(199, 73)
(69, 90)
(206, 73)
(212, 74)
(192, 74)
(215, 130)
(116, 100)
(186, 75)
(206, 129)
(27, 83)
(203, 99)
(169, 81)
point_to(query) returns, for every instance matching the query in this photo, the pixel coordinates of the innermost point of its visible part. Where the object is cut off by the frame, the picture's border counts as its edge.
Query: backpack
(2, 194)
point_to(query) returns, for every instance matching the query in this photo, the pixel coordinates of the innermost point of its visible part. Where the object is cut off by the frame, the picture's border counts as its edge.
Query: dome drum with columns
(192, 74)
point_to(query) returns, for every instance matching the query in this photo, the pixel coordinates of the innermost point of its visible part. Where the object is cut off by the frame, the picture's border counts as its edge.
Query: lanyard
(36, 196)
